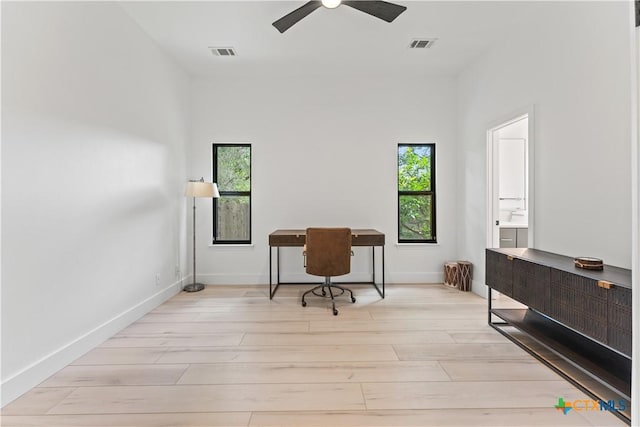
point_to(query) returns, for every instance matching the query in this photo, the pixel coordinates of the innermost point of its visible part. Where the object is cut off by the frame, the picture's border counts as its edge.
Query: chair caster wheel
(304, 304)
(353, 299)
(335, 312)
(324, 294)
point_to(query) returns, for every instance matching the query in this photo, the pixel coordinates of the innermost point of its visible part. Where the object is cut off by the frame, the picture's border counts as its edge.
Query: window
(232, 211)
(417, 193)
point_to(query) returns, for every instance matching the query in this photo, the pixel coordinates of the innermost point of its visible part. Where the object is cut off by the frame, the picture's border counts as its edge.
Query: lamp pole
(198, 189)
(194, 242)
(194, 286)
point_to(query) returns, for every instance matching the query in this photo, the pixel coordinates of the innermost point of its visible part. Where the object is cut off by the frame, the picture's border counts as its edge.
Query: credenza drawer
(619, 320)
(499, 273)
(531, 284)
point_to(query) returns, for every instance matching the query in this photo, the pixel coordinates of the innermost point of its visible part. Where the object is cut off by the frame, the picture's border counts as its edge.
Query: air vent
(422, 43)
(223, 51)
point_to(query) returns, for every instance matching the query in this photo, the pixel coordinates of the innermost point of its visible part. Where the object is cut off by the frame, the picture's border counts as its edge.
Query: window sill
(413, 245)
(231, 245)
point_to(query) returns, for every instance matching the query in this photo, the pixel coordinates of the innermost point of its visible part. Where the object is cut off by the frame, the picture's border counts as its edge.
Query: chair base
(327, 285)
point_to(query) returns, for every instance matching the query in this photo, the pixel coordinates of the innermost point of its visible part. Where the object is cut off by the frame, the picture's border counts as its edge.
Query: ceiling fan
(380, 9)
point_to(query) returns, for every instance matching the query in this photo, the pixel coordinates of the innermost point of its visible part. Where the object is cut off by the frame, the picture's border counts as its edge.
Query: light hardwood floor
(229, 356)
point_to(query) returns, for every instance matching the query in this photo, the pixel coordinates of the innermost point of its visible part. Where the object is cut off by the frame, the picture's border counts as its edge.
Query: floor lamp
(198, 189)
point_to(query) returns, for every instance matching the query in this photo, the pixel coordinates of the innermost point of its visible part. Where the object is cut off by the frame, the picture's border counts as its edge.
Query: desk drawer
(297, 238)
(287, 239)
(367, 239)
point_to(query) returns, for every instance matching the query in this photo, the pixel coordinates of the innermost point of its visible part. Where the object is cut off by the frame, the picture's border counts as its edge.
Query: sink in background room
(514, 232)
(517, 218)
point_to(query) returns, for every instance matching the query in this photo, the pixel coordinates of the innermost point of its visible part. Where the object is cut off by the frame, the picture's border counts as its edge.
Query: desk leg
(383, 271)
(375, 285)
(373, 259)
(272, 290)
(270, 274)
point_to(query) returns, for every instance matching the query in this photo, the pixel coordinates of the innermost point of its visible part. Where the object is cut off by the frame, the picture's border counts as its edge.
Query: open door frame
(492, 184)
(635, 218)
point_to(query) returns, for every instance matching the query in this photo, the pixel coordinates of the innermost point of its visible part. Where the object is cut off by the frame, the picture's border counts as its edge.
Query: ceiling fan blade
(289, 20)
(380, 9)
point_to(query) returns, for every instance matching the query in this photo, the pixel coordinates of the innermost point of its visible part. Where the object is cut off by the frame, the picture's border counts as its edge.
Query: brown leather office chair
(328, 253)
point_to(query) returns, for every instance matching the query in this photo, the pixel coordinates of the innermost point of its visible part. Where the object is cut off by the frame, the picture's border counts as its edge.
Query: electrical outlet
(157, 279)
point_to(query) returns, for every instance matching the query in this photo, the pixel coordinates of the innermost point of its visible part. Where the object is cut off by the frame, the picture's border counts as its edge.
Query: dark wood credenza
(577, 321)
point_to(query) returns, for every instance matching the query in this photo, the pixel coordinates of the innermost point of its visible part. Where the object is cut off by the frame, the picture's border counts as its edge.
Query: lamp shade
(202, 189)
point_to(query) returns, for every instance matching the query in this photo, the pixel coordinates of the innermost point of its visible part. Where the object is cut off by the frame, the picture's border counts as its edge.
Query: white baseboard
(479, 288)
(251, 279)
(230, 279)
(306, 278)
(417, 277)
(21, 382)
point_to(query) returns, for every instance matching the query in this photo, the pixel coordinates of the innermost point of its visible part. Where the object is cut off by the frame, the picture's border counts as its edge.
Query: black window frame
(431, 192)
(214, 152)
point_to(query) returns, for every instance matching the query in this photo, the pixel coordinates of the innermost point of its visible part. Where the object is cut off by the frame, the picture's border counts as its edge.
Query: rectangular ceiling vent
(422, 43)
(223, 51)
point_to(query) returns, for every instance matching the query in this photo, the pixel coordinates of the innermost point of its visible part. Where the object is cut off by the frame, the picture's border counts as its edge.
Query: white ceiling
(342, 41)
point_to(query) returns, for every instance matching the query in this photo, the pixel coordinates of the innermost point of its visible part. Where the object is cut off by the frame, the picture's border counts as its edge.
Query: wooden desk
(297, 238)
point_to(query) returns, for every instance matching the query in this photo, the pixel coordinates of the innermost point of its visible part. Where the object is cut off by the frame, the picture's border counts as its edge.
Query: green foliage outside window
(232, 213)
(416, 193)
(234, 168)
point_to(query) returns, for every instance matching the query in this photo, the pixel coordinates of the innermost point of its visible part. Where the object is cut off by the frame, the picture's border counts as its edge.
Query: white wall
(93, 169)
(574, 69)
(324, 154)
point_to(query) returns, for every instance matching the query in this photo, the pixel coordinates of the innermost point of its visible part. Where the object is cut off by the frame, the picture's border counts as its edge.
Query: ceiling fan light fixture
(331, 4)
(380, 9)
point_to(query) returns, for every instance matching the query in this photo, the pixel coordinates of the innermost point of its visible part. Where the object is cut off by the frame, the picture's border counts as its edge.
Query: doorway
(509, 183)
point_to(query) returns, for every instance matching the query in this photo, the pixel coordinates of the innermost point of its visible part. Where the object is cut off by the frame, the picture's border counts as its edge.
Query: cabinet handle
(605, 285)
(506, 240)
